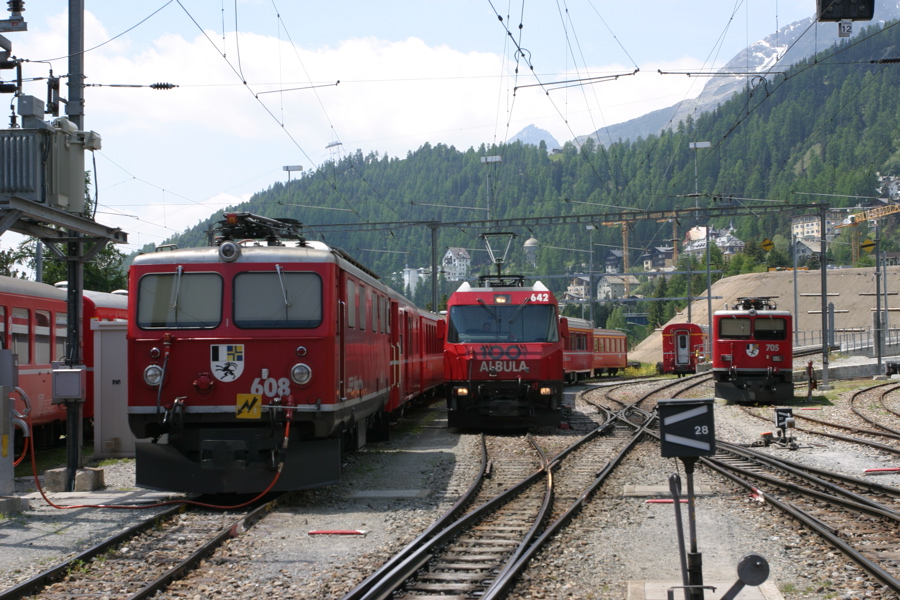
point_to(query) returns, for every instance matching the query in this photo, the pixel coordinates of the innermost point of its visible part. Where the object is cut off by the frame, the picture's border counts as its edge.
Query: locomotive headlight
(153, 375)
(777, 358)
(301, 374)
(461, 391)
(229, 251)
(726, 358)
(546, 391)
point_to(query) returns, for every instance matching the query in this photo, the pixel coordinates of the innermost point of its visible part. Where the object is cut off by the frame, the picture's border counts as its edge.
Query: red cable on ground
(287, 430)
(25, 446)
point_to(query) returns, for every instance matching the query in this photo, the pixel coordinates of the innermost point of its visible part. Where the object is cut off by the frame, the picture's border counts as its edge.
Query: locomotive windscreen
(496, 323)
(277, 300)
(771, 329)
(179, 300)
(735, 328)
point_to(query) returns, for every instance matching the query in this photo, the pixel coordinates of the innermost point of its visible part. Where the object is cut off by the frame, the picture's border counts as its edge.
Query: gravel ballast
(391, 491)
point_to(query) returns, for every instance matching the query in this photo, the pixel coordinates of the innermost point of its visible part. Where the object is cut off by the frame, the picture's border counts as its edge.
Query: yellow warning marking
(248, 406)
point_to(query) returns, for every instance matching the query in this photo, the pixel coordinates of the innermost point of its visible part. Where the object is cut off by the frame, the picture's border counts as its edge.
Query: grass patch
(644, 370)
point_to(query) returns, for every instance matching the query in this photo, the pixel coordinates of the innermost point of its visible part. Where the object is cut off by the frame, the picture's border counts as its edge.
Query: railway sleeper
(464, 588)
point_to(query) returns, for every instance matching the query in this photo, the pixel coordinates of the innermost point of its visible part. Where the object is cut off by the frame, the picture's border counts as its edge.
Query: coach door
(397, 338)
(682, 347)
(346, 319)
(410, 350)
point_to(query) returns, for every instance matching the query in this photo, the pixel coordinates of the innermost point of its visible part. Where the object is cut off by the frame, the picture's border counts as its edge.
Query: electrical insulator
(163, 86)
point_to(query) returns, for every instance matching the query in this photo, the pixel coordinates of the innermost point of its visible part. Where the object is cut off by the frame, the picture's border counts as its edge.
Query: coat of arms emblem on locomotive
(226, 361)
(752, 350)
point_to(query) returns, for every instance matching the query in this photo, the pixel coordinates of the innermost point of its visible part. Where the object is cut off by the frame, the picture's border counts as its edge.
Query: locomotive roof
(249, 254)
(308, 252)
(537, 287)
(750, 313)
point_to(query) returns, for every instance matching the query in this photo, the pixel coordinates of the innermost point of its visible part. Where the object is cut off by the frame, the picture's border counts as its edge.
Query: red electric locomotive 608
(683, 346)
(254, 364)
(752, 353)
(503, 355)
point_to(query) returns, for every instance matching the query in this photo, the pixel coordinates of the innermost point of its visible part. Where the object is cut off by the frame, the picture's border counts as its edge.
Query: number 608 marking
(271, 387)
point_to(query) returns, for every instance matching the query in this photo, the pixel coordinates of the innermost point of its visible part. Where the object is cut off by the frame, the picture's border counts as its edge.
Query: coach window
(280, 299)
(20, 333)
(42, 344)
(3, 327)
(179, 301)
(62, 333)
(735, 328)
(771, 329)
(351, 304)
(363, 307)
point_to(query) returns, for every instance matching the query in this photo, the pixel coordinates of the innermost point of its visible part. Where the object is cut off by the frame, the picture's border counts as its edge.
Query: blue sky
(410, 72)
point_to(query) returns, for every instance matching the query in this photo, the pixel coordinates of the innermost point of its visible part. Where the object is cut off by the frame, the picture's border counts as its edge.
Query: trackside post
(687, 431)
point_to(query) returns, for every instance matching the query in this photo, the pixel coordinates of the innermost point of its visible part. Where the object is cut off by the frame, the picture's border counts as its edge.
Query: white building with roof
(456, 263)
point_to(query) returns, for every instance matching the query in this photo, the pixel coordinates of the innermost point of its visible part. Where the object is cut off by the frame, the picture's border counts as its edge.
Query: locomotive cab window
(274, 300)
(771, 329)
(737, 328)
(179, 301)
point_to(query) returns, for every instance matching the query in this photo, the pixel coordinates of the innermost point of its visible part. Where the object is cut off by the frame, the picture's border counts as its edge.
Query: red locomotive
(253, 364)
(752, 354)
(33, 318)
(503, 355)
(683, 347)
(591, 352)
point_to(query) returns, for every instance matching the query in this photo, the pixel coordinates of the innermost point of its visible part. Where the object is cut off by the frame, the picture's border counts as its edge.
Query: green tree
(105, 273)
(616, 319)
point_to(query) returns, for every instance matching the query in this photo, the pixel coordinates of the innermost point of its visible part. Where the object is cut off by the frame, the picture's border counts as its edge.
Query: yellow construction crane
(625, 264)
(866, 215)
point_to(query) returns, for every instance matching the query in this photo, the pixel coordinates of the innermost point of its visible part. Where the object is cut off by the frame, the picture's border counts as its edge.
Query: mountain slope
(766, 58)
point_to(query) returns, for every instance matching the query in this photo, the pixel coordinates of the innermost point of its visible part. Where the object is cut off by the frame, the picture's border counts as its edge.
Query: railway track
(482, 550)
(143, 559)
(858, 517)
(885, 441)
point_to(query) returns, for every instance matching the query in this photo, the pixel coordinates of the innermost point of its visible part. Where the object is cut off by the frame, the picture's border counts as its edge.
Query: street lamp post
(590, 294)
(796, 309)
(878, 320)
(489, 160)
(697, 146)
(290, 169)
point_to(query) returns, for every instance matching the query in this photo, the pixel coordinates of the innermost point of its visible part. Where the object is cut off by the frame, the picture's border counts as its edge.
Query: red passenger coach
(683, 347)
(33, 324)
(591, 352)
(257, 360)
(503, 355)
(752, 352)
